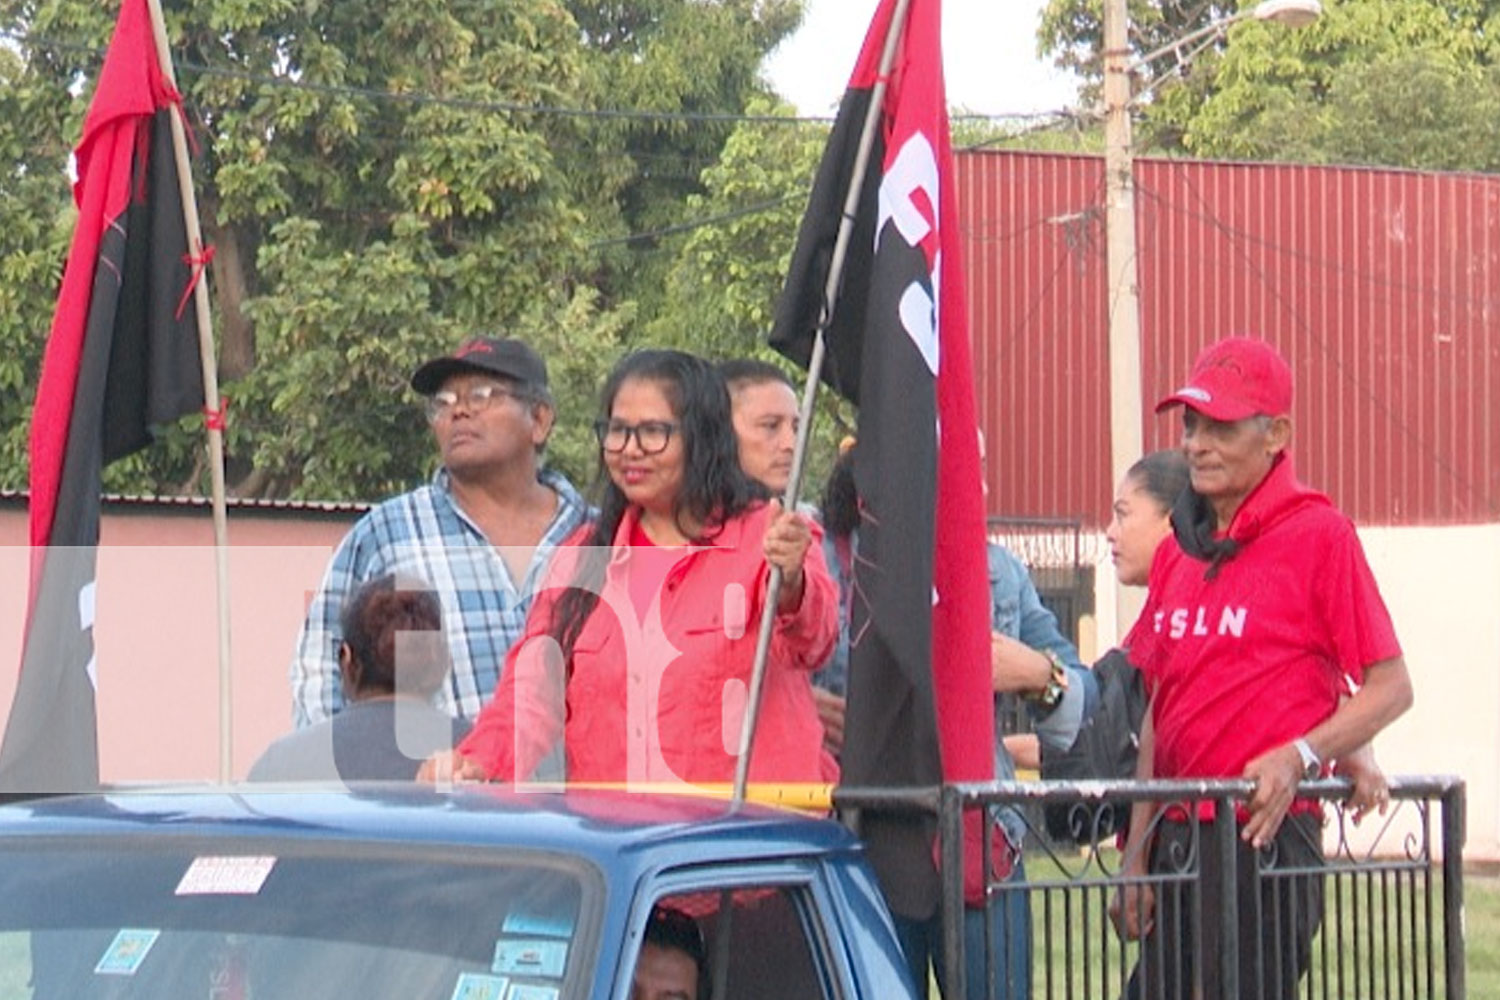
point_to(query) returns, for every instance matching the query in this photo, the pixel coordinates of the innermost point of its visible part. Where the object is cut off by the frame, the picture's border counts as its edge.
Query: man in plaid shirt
(481, 532)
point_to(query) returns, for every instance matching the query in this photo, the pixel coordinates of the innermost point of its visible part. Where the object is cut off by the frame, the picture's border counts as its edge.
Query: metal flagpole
(212, 406)
(810, 389)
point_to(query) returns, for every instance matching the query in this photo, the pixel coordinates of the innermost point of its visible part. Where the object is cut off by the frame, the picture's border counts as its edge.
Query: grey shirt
(371, 740)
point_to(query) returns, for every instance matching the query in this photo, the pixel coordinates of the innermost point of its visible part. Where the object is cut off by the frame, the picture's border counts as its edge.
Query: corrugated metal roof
(232, 503)
(1378, 285)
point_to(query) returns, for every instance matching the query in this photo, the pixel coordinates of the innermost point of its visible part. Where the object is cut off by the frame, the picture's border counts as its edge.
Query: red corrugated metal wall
(1379, 286)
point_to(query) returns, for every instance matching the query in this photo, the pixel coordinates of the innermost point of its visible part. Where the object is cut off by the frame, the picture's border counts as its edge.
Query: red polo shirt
(1257, 655)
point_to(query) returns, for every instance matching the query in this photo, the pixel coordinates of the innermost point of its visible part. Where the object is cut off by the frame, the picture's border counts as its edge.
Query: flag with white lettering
(122, 355)
(920, 699)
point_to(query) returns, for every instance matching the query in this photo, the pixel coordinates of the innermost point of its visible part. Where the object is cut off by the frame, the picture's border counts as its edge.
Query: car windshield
(161, 918)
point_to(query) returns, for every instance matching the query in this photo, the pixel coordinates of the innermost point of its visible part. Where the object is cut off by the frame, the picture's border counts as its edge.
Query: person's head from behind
(1236, 419)
(1142, 513)
(766, 416)
(840, 502)
(393, 640)
(488, 403)
(667, 444)
(672, 964)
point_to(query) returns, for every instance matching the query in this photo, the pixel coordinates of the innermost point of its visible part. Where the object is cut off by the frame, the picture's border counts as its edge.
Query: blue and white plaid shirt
(423, 533)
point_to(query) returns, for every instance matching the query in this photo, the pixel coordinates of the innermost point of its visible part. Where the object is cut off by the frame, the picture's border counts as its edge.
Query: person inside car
(672, 964)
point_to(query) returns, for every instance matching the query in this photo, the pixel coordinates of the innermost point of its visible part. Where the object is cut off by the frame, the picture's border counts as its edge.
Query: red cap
(1234, 379)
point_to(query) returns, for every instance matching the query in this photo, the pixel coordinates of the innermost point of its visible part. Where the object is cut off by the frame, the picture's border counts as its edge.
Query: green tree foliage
(721, 289)
(379, 180)
(1408, 83)
(1072, 31)
(1384, 82)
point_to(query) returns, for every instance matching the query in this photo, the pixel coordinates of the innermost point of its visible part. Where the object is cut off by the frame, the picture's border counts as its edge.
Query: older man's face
(1228, 459)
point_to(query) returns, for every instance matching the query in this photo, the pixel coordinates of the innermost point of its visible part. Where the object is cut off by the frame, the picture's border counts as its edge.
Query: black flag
(919, 678)
(122, 355)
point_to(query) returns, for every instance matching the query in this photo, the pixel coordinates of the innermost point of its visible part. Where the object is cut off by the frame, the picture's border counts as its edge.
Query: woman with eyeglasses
(639, 654)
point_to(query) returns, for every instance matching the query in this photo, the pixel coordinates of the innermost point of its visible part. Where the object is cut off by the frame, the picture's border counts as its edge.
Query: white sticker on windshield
(472, 986)
(539, 924)
(524, 991)
(126, 952)
(225, 876)
(530, 957)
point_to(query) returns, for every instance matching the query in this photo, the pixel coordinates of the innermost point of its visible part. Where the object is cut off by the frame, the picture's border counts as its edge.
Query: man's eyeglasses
(652, 436)
(476, 399)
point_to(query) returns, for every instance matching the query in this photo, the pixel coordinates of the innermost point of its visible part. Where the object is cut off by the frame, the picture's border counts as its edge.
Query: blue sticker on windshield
(522, 991)
(538, 924)
(473, 986)
(530, 957)
(126, 952)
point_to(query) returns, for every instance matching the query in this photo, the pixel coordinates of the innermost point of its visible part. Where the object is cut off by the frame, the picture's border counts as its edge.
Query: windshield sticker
(225, 876)
(126, 952)
(538, 924)
(473, 986)
(530, 957)
(522, 991)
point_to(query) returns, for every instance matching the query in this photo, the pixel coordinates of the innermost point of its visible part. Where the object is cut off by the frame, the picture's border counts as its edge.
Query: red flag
(121, 356)
(920, 698)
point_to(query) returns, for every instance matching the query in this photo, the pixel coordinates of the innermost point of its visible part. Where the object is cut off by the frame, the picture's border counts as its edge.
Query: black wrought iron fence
(1330, 910)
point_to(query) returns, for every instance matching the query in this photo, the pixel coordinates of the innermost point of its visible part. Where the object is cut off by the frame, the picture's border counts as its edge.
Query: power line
(711, 220)
(471, 104)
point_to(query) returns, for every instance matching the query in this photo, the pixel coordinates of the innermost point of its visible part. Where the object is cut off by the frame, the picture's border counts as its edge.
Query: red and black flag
(122, 355)
(920, 702)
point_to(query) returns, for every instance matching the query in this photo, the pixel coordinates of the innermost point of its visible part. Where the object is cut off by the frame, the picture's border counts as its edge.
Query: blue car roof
(610, 828)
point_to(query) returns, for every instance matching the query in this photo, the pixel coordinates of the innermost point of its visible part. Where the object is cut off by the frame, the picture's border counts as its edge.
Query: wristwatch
(1050, 696)
(1311, 765)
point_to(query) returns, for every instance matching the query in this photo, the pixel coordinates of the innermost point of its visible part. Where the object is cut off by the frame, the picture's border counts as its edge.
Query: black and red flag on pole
(920, 701)
(122, 355)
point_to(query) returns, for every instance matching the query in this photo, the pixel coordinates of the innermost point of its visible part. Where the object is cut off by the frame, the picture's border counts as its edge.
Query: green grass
(1076, 952)
(1482, 936)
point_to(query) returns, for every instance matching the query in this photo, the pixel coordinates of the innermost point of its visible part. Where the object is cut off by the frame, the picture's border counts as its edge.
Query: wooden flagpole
(810, 389)
(212, 404)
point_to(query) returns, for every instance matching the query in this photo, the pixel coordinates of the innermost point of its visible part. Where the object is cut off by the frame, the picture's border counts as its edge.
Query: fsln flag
(920, 698)
(122, 355)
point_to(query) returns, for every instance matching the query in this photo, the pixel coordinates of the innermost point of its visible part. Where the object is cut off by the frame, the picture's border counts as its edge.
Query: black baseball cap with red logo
(506, 356)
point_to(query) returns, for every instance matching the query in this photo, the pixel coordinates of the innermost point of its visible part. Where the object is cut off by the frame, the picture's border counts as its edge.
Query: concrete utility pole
(1125, 404)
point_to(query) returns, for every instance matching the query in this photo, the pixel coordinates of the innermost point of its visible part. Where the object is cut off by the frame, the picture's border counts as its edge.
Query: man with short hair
(766, 417)
(1261, 612)
(481, 533)
(671, 965)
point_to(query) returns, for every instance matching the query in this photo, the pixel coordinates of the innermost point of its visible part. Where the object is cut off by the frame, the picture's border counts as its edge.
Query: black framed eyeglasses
(651, 436)
(476, 399)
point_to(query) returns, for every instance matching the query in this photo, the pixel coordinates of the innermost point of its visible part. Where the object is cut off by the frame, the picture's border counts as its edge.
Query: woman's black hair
(840, 505)
(1163, 475)
(374, 616)
(714, 487)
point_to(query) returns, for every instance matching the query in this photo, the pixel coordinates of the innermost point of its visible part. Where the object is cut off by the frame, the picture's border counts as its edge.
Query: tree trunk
(236, 332)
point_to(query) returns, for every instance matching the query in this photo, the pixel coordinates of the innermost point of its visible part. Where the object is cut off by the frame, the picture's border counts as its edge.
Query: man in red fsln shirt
(1262, 613)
